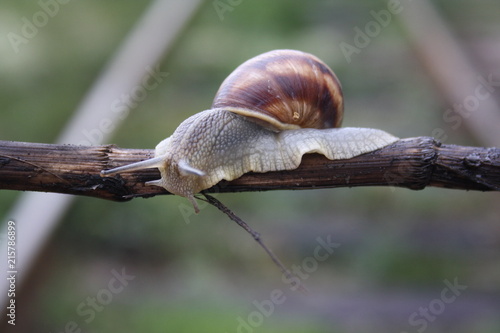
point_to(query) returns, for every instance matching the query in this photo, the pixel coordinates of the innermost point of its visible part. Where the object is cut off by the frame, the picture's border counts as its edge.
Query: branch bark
(413, 163)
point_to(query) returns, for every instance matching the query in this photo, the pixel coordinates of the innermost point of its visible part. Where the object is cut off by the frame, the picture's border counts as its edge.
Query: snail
(268, 113)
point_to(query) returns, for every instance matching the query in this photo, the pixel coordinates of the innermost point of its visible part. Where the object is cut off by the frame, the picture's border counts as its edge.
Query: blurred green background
(203, 273)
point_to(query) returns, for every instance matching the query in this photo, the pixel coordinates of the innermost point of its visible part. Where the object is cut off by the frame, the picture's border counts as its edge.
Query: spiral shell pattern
(284, 89)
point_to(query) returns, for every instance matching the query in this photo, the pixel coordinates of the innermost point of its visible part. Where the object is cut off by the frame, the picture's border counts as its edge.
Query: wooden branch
(413, 163)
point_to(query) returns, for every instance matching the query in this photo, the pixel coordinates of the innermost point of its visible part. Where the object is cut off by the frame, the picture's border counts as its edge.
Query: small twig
(256, 236)
(35, 166)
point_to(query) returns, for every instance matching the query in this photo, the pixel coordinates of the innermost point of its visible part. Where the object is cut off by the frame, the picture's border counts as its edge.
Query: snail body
(267, 114)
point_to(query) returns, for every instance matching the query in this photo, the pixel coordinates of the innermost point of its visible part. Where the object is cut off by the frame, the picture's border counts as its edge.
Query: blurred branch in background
(412, 163)
(460, 82)
(97, 118)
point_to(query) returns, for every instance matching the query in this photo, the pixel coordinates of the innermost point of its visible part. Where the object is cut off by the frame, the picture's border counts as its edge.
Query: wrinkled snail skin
(267, 114)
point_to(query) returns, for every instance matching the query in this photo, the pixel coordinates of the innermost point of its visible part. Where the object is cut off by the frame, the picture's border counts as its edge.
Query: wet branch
(413, 163)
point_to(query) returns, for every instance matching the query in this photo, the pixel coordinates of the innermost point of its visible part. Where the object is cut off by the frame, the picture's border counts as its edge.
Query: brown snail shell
(286, 89)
